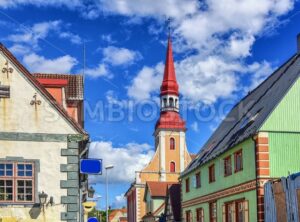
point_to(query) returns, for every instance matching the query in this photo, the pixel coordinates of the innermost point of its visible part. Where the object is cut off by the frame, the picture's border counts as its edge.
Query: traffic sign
(92, 219)
(91, 166)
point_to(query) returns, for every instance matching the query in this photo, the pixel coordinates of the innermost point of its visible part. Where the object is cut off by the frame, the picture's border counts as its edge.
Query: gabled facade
(259, 140)
(171, 156)
(118, 215)
(40, 147)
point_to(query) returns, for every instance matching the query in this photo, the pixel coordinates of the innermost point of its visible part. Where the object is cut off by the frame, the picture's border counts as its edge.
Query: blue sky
(222, 49)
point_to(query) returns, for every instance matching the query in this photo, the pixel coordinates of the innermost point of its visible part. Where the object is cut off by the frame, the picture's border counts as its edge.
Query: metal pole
(106, 195)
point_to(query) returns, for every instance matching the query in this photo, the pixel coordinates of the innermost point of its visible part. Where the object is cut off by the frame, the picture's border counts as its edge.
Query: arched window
(171, 102)
(172, 144)
(176, 102)
(172, 167)
(165, 102)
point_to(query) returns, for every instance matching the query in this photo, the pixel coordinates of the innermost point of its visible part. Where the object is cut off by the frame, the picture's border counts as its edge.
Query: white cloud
(20, 49)
(120, 201)
(159, 9)
(75, 39)
(195, 126)
(126, 159)
(36, 63)
(32, 35)
(107, 38)
(120, 56)
(220, 38)
(260, 72)
(146, 82)
(100, 71)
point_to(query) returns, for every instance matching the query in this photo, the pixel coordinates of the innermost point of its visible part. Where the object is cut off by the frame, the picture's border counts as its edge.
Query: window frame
(236, 154)
(227, 162)
(200, 214)
(174, 165)
(198, 179)
(212, 173)
(15, 178)
(188, 216)
(187, 185)
(211, 214)
(172, 144)
(235, 204)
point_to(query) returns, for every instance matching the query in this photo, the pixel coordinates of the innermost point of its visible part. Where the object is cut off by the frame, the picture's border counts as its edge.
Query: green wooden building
(259, 140)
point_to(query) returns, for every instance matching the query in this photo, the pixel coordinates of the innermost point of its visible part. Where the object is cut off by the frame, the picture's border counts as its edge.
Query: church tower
(171, 156)
(170, 128)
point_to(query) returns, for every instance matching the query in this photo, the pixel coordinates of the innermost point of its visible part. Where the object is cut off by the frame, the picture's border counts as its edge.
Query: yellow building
(171, 156)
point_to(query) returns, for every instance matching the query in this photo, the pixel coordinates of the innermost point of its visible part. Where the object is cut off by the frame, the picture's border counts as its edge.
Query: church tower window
(172, 167)
(172, 144)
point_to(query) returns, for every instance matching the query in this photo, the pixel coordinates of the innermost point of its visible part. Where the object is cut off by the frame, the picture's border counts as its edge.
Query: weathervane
(7, 69)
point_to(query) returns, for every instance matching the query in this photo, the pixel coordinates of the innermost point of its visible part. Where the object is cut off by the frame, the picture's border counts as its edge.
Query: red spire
(169, 84)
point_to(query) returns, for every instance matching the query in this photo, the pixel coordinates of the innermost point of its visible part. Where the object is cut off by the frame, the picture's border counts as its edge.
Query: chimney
(298, 43)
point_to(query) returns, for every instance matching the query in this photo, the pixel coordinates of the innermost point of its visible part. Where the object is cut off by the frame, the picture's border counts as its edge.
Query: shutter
(246, 207)
(4, 91)
(224, 213)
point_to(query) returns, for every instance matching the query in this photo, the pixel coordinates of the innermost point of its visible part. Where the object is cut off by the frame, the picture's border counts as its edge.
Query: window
(187, 185)
(171, 101)
(212, 177)
(198, 180)
(16, 182)
(227, 166)
(172, 144)
(165, 102)
(238, 161)
(199, 215)
(213, 212)
(236, 211)
(172, 167)
(188, 216)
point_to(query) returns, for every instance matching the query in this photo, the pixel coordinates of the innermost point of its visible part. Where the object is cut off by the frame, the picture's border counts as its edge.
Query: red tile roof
(113, 213)
(42, 89)
(158, 189)
(74, 89)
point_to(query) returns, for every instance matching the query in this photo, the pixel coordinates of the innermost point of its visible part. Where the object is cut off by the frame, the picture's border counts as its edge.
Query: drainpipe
(256, 177)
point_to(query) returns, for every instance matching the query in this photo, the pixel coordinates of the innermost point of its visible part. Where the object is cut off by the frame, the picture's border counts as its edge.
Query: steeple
(169, 84)
(169, 96)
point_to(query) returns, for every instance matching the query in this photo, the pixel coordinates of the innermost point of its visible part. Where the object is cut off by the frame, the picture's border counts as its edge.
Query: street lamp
(91, 192)
(43, 199)
(106, 169)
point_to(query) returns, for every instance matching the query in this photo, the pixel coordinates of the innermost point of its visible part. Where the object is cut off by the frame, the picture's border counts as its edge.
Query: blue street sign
(91, 166)
(92, 219)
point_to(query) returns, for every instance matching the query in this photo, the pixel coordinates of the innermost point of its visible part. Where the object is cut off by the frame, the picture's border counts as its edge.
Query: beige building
(171, 156)
(41, 140)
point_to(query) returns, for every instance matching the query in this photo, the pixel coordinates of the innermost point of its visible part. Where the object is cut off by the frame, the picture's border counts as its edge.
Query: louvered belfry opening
(4, 91)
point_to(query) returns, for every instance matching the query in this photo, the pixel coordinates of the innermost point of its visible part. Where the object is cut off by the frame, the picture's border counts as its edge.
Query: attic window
(4, 91)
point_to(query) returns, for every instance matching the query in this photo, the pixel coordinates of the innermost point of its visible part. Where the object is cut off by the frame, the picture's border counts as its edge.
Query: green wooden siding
(285, 117)
(284, 153)
(247, 174)
(250, 196)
